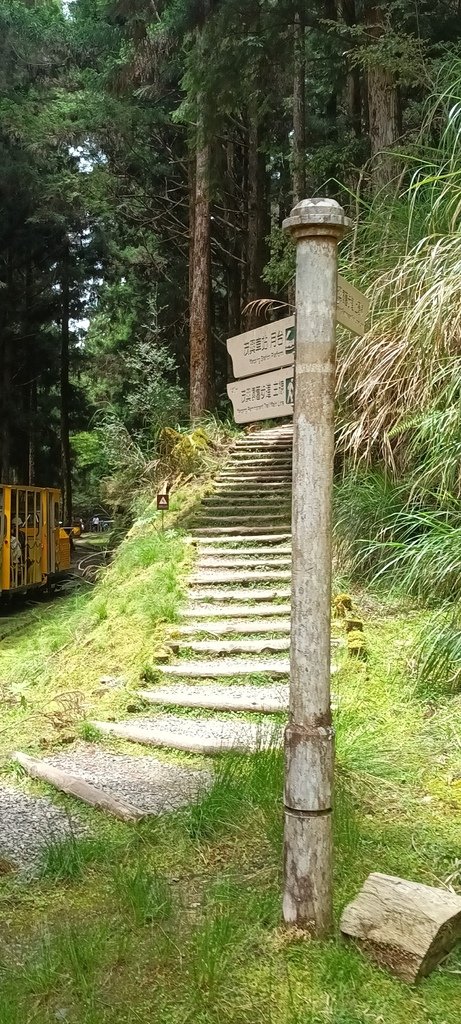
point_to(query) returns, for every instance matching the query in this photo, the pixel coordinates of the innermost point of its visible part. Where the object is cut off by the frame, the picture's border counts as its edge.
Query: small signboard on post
(263, 349)
(163, 502)
(265, 397)
(352, 307)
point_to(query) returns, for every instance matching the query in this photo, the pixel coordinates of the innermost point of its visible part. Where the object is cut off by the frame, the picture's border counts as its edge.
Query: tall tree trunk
(299, 107)
(353, 83)
(30, 398)
(201, 353)
(6, 369)
(331, 108)
(383, 105)
(200, 345)
(234, 269)
(191, 184)
(258, 219)
(32, 426)
(66, 465)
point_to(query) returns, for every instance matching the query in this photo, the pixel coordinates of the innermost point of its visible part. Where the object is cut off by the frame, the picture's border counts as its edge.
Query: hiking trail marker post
(163, 504)
(316, 226)
(301, 357)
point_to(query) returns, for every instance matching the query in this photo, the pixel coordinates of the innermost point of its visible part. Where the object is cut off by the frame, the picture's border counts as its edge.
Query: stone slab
(225, 611)
(197, 735)
(269, 561)
(233, 626)
(222, 647)
(223, 667)
(261, 538)
(262, 699)
(221, 531)
(237, 594)
(247, 552)
(237, 575)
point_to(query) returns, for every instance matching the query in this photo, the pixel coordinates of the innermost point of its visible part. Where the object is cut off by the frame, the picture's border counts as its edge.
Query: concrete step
(264, 700)
(279, 518)
(210, 562)
(260, 487)
(236, 594)
(235, 626)
(224, 499)
(239, 494)
(204, 531)
(240, 576)
(227, 668)
(245, 509)
(221, 648)
(259, 462)
(244, 611)
(253, 477)
(246, 553)
(264, 538)
(197, 735)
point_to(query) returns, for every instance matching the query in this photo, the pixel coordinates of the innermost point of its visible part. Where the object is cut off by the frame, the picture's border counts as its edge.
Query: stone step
(210, 562)
(203, 531)
(264, 700)
(236, 594)
(267, 445)
(282, 549)
(240, 476)
(130, 788)
(247, 611)
(234, 626)
(223, 499)
(250, 511)
(279, 518)
(224, 647)
(259, 487)
(259, 462)
(197, 735)
(237, 576)
(275, 539)
(237, 471)
(227, 667)
(263, 460)
(245, 493)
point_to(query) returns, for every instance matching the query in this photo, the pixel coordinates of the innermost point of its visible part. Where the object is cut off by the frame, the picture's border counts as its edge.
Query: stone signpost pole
(316, 225)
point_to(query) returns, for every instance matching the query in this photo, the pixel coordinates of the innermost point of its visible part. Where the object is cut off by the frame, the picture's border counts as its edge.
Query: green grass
(177, 919)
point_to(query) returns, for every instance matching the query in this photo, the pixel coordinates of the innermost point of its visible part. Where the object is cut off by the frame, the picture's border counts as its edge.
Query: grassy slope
(178, 919)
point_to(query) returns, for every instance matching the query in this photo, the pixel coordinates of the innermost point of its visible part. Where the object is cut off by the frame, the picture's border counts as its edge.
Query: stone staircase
(231, 648)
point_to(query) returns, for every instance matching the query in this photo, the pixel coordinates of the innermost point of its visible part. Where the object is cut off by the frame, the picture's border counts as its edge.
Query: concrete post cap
(317, 213)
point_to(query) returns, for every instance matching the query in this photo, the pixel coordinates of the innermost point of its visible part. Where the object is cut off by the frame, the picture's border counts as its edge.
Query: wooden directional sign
(351, 307)
(265, 397)
(163, 502)
(265, 348)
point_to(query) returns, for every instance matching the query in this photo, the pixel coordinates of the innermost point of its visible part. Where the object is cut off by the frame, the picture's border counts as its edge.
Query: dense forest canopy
(149, 151)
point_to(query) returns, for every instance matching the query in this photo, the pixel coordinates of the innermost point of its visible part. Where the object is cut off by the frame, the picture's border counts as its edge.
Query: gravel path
(28, 824)
(145, 782)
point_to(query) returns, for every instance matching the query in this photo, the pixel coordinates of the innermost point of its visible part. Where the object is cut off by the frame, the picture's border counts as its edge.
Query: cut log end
(403, 926)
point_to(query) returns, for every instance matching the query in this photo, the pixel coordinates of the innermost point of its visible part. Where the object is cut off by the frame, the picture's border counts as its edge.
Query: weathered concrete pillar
(316, 225)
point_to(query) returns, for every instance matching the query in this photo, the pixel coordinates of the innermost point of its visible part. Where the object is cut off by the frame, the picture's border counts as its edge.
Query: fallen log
(404, 926)
(77, 787)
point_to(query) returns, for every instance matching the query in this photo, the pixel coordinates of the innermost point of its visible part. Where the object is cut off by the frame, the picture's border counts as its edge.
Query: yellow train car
(34, 549)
